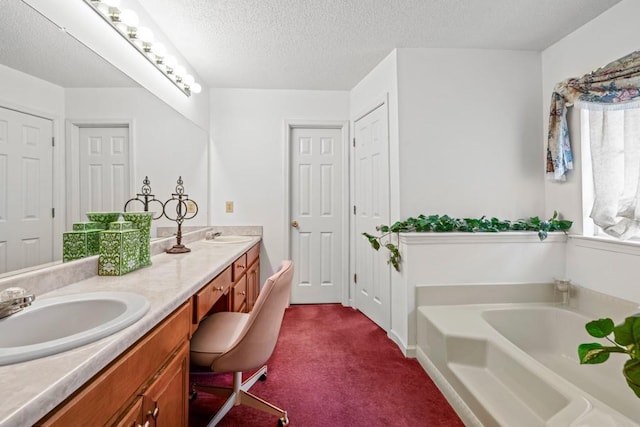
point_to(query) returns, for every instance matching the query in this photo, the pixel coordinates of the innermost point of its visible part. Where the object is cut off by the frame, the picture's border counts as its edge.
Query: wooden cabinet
(253, 284)
(153, 373)
(246, 280)
(207, 297)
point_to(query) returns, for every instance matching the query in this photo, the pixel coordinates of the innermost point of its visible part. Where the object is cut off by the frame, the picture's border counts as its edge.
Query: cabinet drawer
(210, 294)
(239, 294)
(239, 267)
(112, 390)
(253, 253)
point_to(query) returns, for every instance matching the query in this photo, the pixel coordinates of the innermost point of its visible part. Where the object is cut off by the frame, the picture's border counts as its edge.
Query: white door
(104, 169)
(317, 212)
(26, 190)
(371, 174)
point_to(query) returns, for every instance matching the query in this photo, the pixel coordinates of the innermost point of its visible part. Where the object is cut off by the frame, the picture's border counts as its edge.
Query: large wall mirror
(52, 87)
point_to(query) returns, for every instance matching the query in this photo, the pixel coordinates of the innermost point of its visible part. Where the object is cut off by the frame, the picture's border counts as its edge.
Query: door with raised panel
(371, 164)
(317, 230)
(104, 169)
(26, 190)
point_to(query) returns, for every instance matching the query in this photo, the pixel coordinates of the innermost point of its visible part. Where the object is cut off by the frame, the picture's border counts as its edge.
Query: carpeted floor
(332, 366)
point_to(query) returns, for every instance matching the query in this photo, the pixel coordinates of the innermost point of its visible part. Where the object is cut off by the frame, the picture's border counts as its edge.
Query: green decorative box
(88, 225)
(142, 221)
(80, 244)
(121, 226)
(119, 252)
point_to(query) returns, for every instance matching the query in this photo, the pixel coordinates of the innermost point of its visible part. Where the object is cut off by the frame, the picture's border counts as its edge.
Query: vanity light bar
(126, 23)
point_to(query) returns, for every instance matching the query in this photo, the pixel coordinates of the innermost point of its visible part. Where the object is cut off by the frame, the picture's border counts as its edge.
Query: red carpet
(332, 366)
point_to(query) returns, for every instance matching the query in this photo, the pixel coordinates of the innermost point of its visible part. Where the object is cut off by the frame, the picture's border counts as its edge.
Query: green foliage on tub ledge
(626, 339)
(445, 223)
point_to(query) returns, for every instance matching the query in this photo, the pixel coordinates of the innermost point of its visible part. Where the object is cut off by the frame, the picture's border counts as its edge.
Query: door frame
(72, 182)
(343, 126)
(380, 101)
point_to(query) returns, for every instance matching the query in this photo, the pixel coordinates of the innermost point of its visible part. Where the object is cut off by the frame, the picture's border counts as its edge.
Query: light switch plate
(228, 207)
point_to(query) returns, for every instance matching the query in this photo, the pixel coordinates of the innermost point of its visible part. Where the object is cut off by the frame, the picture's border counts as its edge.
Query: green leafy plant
(445, 223)
(626, 339)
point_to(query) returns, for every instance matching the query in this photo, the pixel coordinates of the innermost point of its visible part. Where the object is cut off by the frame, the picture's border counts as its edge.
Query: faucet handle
(11, 294)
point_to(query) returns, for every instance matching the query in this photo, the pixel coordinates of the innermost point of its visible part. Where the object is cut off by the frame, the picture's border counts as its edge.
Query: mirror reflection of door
(26, 190)
(103, 169)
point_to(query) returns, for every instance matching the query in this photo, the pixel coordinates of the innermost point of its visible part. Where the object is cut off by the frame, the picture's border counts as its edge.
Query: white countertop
(29, 390)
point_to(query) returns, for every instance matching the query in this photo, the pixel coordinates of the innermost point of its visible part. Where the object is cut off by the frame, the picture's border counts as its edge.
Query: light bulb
(188, 80)
(180, 71)
(159, 50)
(196, 88)
(145, 34)
(170, 61)
(129, 18)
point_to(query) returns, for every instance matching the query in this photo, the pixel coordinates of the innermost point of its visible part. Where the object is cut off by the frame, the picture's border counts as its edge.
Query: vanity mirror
(109, 133)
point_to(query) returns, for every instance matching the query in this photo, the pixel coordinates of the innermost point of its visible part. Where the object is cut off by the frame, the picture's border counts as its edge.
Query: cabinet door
(253, 284)
(240, 295)
(166, 399)
(132, 417)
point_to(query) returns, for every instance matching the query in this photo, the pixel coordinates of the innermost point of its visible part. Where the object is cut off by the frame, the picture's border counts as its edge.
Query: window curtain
(614, 141)
(616, 82)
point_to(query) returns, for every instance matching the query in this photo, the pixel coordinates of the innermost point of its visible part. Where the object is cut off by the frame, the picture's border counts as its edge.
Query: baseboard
(407, 350)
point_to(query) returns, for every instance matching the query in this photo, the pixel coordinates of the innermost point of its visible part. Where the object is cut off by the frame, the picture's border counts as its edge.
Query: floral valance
(616, 82)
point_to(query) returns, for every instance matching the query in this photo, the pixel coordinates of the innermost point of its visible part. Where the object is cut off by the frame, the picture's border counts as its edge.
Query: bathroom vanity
(139, 374)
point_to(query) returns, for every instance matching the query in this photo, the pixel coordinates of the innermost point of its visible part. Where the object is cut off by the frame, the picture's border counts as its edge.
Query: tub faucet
(12, 300)
(564, 287)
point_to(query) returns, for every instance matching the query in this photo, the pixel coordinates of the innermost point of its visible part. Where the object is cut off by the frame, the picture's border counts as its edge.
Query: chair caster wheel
(263, 377)
(284, 421)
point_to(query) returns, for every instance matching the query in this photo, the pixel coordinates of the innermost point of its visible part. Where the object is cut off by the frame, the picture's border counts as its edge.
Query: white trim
(607, 244)
(454, 238)
(343, 126)
(72, 184)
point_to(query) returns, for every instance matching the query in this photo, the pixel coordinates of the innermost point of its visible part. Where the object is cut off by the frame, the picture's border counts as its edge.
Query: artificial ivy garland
(444, 223)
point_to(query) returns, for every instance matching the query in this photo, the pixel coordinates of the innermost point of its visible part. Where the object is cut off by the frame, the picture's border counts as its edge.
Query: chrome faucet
(210, 235)
(564, 287)
(12, 300)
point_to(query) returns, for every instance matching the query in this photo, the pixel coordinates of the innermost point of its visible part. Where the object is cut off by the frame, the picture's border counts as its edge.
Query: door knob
(294, 224)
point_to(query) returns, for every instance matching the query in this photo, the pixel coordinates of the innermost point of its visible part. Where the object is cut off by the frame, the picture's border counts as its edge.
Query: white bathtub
(517, 365)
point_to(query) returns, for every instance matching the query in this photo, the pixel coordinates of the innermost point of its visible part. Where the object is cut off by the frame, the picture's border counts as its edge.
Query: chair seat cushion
(215, 335)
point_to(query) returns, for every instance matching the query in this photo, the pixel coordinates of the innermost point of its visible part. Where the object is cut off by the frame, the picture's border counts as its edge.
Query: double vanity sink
(71, 332)
(52, 325)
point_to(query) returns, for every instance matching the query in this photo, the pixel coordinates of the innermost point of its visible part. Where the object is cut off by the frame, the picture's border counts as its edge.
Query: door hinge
(53, 141)
(53, 212)
(354, 142)
(355, 278)
(354, 209)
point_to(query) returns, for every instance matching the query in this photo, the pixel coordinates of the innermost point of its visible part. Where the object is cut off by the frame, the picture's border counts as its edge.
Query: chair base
(239, 395)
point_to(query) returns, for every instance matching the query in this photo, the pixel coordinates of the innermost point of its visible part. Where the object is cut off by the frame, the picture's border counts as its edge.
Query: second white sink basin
(229, 239)
(53, 325)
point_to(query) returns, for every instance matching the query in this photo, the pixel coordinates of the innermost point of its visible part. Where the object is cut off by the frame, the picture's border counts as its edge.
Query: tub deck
(516, 364)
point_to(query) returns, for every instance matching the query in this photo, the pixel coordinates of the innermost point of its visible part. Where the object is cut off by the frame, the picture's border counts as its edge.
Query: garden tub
(517, 364)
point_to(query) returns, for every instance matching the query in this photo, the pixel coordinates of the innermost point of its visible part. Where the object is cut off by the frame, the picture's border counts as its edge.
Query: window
(611, 167)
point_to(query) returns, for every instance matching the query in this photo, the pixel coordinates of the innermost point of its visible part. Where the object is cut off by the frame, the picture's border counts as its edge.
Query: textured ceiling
(333, 44)
(294, 44)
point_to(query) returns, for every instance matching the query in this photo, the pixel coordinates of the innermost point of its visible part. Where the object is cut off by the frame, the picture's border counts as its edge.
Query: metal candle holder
(183, 207)
(146, 198)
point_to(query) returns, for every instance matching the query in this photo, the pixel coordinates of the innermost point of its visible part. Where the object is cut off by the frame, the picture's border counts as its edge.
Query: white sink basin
(54, 325)
(224, 240)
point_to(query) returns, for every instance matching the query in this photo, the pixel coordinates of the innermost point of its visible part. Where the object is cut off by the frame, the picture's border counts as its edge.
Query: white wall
(247, 157)
(469, 134)
(165, 144)
(610, 268)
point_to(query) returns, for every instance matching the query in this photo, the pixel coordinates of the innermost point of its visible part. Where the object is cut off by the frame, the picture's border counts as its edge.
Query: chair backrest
(258, 339)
